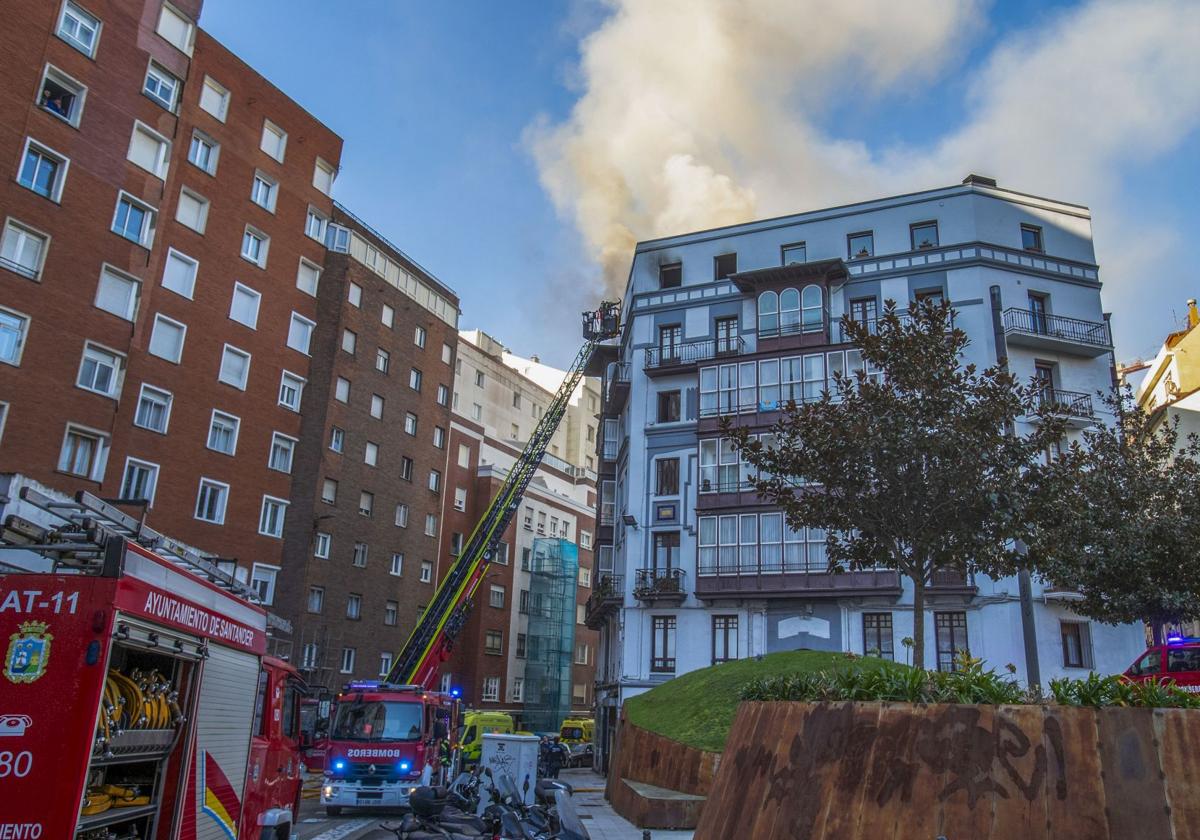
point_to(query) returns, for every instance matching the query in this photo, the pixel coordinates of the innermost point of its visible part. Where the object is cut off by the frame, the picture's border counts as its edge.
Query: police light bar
(376, 685)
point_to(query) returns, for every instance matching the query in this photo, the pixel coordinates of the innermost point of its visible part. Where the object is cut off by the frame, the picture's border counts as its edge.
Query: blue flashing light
(339, 765)
(363, 685)
(455, 692)
(1174, 639)
(404, 766)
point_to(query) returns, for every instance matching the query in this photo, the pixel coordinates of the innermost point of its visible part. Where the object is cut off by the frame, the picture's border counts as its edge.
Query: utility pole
(1033, 670)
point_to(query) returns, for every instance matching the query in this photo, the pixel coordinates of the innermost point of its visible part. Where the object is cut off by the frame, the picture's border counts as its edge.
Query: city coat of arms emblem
(28, 652)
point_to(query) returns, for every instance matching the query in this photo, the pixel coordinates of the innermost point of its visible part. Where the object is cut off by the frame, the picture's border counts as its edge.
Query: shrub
(969, 684)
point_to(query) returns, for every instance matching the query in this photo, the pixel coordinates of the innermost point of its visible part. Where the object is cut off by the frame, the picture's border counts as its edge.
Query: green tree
(915, 470)
(1118, 517)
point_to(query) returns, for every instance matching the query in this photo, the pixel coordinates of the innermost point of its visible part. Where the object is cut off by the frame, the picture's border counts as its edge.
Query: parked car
(1178, 660)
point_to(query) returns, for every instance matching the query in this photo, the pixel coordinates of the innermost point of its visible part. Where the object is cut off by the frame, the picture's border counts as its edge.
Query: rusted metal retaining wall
(893, 771)
(643, 756)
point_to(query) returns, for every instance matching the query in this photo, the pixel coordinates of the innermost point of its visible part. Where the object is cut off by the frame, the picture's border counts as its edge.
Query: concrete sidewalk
(603, 823)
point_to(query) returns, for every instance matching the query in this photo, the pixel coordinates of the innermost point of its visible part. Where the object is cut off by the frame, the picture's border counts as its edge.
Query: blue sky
(434, 101)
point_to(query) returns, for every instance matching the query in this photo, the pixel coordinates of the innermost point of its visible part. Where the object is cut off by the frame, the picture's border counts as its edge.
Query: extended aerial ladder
(432, 639)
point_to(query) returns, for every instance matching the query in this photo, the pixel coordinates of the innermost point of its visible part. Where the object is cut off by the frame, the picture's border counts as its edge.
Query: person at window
(52, 101)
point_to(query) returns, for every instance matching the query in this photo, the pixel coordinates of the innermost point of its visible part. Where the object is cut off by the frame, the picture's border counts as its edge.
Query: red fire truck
(385, 739)
(137, 698)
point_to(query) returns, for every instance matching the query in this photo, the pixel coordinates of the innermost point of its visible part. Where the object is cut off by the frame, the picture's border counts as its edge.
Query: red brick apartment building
(168, 304)
(362, 536)
(493, 400)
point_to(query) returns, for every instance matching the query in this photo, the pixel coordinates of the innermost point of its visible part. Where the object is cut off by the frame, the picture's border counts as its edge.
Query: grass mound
(697, 708)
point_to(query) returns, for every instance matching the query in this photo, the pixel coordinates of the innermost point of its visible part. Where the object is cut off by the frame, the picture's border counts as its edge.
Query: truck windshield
(377, 721)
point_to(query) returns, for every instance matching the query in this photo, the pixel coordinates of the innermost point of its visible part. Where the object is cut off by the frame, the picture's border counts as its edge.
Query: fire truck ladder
(432, 639)
(80, 542)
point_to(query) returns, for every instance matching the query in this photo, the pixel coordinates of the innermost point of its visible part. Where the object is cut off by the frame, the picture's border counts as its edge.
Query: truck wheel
(333, 811)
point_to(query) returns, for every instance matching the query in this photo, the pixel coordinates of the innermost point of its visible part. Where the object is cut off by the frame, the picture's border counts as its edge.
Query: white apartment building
(692, 567)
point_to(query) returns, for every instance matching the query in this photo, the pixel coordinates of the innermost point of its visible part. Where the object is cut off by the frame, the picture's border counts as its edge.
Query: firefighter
(441, 731)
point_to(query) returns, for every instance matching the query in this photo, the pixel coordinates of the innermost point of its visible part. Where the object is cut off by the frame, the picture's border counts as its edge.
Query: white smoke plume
(698, 113)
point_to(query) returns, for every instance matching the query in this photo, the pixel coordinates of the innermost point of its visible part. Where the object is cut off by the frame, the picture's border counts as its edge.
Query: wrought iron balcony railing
(1069, 403)
(1033, 323)
(692, 352)
(658, 583)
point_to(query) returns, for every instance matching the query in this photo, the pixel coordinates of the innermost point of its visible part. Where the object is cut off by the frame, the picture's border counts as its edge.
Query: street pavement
(601, 820)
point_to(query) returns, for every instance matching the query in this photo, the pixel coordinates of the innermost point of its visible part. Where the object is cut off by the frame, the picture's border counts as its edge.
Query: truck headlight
(327, 791)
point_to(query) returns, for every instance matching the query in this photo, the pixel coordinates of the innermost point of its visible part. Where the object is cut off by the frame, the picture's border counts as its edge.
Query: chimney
(536, 360)
(979, 180)
(1193, 314)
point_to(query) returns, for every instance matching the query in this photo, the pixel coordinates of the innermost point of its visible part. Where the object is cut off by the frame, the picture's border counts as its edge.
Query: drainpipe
(1033, 671)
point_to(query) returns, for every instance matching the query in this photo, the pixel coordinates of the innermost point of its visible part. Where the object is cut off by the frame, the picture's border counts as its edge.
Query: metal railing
(608, 585)
(1070, 403)
(23, 270)
(618, 373)
(691, 352)
(1029, 322)
(658, 583)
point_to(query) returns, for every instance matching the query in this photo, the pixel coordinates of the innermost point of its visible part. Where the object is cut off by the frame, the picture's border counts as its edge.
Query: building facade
(693, 569)
(497, 406)
(154, 256)
(361, 540)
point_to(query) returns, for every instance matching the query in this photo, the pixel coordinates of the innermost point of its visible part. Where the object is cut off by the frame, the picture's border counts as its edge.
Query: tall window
(726, 329)
(223, 432)
(493, 642)
(79, 29)
(666, 477)
(1031, 238)
(668, 407)
(666, 550)
(860, 245)
(877, 635)
(863, 311)
(211, 501)
(282, 449)
(291, 388)
(214, 98)
(724, 638)
(204, 152)
(491, 689)
(768, 314)
(669, 339)
(670, 276)
(139, 481)
(1038, 312)
(133, 220)
(1076, 644)
(951, 630)
(923, 235)
(153, 409)
(789, 311)
(161, 86)
(724, 265)
(270, 520)
(662, 647)
(84, 453)
(22, 250)
(797, 253)
(43, 171)
(100, 371)
(812, 307)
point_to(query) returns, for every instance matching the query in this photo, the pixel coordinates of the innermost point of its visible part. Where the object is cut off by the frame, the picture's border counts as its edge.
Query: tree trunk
(918, 621)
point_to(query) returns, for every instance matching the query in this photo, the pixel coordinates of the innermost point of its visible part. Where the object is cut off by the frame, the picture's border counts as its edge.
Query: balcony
(659, 585)
(679, 358)
(776, 582)
(608, 593)
(1055, 333)
(950, 582)
(1074, 406)
(616, 386)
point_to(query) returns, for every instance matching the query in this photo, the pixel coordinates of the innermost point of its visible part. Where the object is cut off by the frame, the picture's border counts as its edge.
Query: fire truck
(387, 738)
(137, 699)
